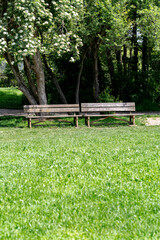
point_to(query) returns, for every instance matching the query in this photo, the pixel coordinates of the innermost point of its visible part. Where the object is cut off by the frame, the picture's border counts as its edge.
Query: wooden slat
(109, 115)
(107, 109)
(51, 110)
(97, 105)
(52, 106)
(53, 116)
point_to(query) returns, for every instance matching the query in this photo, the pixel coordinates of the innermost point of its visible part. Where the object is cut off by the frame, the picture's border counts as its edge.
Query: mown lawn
(67, 183)
(11, 98)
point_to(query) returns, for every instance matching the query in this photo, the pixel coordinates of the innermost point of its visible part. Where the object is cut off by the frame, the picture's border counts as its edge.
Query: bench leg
(132, 120)
(88, 122)
(85, 120)
(76, 121)
(29, 122)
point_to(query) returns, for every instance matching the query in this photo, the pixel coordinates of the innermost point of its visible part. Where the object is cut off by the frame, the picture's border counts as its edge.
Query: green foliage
(37, 24)
(106, 96)
(9, 79)
(147, 105)
(79, 184)
(149, 24)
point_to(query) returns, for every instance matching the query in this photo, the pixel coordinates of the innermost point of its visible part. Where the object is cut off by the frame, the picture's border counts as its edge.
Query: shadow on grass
(10, 121)
(21, 122)
(109, 122)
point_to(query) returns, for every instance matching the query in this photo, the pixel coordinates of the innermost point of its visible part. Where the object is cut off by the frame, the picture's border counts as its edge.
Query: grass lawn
(11, 98)
(67, 183)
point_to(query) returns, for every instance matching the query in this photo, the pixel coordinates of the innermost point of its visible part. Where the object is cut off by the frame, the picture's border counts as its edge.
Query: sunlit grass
(11, 98)
(67, 183)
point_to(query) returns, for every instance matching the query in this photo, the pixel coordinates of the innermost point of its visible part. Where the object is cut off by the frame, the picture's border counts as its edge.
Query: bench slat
(52, 110)
(52, 106)
(53, 116)
(97, 105)
(109, 115)
(108, 109)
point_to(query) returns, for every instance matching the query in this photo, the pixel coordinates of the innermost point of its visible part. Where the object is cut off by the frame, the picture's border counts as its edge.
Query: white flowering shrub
(64, 34)
(28, 24)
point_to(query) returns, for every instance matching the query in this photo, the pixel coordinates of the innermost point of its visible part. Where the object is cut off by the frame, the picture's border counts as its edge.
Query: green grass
(68, 183)
(11, 98)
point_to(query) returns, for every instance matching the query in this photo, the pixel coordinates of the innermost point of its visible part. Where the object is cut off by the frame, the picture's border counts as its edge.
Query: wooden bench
(52, 112)
(106, 110)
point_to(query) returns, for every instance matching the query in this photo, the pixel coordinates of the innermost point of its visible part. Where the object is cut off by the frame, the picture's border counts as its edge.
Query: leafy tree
(30, 29)
(105, 26)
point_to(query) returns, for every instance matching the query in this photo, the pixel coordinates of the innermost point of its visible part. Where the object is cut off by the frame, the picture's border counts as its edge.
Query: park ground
(60, 182)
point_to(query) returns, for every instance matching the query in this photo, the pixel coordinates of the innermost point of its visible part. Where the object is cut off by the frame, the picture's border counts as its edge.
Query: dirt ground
(153, 121)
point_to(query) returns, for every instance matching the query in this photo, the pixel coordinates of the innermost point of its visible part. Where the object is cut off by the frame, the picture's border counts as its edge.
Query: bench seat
(106, 110)
(54, 111)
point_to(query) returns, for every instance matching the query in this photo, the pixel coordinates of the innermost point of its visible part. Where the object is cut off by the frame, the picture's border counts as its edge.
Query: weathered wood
(108, 109)
(42, 112)
(51, 110)
(51, 116)
(95, 105)
(52, 106)
(76, 121)
(133, 120)
(109, 114)
(29, 122)
(88, 121)
(105, 110)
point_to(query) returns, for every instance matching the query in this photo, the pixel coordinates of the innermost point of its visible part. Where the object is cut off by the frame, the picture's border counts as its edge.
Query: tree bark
(110, 64)
(79, 77)
(19, 78)
(95, 71)
(40, 78)
(119, 61)
(55, 81)
(27, 68)
(125, 59)
(144, 55)
(134, 42)
(135, 46)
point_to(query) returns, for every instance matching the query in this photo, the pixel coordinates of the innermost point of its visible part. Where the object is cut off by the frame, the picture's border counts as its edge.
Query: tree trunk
(119, 61)
(135, 46)
(27, 68)
(111, 70)
(19, 78)
(40, 78)
(134, 42)
(125, 59)
(79, 77)
(110, 64)
(55, 81)
(95, 71)
(144, 55)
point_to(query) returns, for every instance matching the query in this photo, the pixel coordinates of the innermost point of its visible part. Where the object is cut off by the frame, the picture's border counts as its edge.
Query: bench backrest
(54, 108)
(107, 107)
